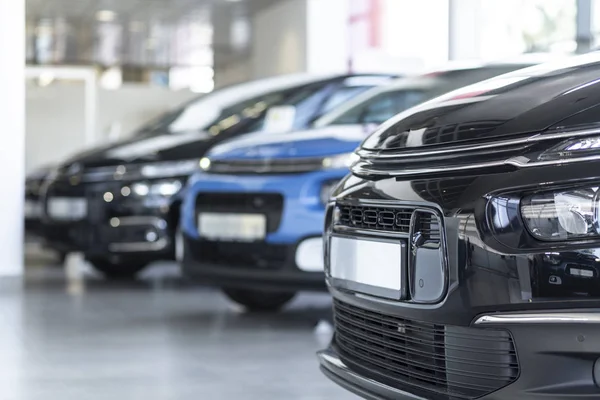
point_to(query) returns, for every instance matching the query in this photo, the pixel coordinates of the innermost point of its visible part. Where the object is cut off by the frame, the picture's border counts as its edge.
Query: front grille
(241, 255)
(443, 362)
(390, 219)
(442, 156)
(269, 204)
(265, 166)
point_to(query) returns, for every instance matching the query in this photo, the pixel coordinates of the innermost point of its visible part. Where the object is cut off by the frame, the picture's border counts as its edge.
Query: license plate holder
(371, 266)
(237, 227)
(67, 208)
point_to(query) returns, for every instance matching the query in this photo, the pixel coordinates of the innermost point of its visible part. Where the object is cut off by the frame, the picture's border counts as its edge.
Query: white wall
(55, 121)
(12, 103)
(327, 48)
(279, 39)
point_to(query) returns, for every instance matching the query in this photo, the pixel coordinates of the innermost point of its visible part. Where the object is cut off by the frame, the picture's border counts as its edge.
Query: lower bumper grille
(442, 361)
(245, 255)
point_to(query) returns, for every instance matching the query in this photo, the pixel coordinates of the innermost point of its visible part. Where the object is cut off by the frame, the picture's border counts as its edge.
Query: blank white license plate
(235, 227)
(368, 266)
(67, 208)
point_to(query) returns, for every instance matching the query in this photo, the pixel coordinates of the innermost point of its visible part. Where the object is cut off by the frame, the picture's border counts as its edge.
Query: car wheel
(255, 301)
(117, 270)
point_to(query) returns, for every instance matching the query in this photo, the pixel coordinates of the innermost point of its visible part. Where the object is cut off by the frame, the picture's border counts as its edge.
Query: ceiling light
(106, 15)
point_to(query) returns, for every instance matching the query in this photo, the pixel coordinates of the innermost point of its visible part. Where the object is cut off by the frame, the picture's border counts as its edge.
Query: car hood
(320, 142)
(549, 96)
(145, 148)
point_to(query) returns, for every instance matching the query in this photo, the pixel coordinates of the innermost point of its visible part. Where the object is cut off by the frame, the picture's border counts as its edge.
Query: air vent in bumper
(436, 361)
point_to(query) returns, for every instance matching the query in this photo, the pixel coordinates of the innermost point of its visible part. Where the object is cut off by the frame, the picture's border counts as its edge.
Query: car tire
(117, 270)
(255, 301)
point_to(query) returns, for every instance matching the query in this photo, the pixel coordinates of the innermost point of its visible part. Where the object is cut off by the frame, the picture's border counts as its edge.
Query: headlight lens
(162, 188)
(576, 148)
(167, 169)
(205, 163)
(562, 215)
(340, 161)
(327, 190)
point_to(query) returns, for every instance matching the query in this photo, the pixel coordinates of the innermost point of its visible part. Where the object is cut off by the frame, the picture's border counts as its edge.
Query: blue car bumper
(289, 256)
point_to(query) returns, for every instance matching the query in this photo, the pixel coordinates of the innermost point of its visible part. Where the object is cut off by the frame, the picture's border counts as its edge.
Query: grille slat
(388, 219)
(443, 361)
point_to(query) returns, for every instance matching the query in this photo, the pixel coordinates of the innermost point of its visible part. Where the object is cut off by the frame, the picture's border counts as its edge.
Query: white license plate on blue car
(232, 226)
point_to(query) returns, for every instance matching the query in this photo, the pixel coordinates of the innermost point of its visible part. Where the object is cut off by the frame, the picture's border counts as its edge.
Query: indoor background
(78, 74)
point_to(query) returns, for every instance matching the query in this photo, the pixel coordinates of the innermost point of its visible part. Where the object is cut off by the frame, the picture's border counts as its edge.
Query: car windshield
(381, 107)
(383, 104)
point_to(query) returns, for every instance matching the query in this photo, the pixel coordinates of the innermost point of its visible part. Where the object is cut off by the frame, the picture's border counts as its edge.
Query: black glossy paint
(494, 263)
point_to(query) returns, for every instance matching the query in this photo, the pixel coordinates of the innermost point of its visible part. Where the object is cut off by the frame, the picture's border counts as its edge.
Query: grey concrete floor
(156, 338)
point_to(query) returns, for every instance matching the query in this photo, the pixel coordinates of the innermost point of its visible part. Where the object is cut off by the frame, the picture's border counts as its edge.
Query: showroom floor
(157, 338)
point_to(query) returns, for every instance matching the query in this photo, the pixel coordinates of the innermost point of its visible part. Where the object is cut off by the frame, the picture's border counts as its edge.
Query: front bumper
(264, 267)
(494, 280)
(558, 357)
(295, 224)
(126, 226)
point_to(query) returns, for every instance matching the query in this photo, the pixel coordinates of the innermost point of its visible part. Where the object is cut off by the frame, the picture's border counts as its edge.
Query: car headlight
(327, 189)
(340, 161)
(205, 164)
(563, 215)
(576, 148)
(162, 188)
(170, 168)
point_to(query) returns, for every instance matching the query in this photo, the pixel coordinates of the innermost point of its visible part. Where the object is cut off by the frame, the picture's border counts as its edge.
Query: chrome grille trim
(276, 166)
(415, 152)
(367, 165)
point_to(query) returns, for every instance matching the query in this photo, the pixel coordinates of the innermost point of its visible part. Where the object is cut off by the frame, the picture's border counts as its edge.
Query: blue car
(252, 221)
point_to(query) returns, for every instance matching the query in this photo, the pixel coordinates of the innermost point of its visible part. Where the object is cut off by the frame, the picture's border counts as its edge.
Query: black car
(463, 252)
(119, 204)
(33, 205)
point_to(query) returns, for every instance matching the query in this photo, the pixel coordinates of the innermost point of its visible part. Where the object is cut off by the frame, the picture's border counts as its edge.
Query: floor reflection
(158, 337)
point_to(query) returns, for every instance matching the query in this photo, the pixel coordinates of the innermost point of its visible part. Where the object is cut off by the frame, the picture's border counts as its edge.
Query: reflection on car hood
(529, 100)
(321, 142)
(149, 148)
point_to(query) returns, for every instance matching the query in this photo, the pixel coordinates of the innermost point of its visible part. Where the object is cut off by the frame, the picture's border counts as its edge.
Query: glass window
(380, 108)
(341, 95)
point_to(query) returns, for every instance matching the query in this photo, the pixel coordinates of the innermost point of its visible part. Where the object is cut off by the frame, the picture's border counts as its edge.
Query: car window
(382, 107)
(341, 95)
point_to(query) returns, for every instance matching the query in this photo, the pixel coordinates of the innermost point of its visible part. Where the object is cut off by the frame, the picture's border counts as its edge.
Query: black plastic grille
(443, 362)
(388, 219)
(241, 255)
(429, 226)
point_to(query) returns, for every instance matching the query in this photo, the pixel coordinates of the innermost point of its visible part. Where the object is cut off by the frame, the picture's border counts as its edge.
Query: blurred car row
(233, 185)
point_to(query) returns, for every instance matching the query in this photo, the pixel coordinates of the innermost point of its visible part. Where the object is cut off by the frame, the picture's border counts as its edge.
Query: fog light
(151, 236)
(309, 255)
(562, 215)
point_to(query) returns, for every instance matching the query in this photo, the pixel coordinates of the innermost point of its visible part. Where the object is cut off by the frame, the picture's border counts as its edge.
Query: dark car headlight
(563, 214)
